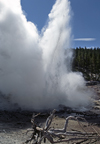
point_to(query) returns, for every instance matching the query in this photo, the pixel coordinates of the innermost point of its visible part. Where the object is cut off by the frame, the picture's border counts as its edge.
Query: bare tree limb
(61, 135)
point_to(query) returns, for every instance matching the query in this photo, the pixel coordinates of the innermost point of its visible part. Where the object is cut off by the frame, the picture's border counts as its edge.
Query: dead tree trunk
(60, 135)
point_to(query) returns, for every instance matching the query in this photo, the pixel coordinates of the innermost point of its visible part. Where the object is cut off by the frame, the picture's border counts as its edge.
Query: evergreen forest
(87, 61)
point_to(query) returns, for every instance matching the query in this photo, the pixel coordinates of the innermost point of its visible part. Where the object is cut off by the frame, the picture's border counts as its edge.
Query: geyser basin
(35, 72)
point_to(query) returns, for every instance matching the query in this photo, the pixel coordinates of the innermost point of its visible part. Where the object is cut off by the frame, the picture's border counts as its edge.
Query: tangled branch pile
(61, 135)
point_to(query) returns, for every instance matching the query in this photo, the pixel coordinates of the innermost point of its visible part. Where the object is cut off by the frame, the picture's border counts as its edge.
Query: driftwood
(61, 135)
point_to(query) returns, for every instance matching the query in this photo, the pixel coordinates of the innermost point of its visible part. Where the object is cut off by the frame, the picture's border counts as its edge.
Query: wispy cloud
(85, 39)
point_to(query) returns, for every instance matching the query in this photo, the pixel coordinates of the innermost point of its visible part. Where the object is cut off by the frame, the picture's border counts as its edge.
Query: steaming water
(35, 71)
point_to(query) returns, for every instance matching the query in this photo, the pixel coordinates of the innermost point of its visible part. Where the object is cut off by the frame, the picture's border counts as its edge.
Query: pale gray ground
(13, 125)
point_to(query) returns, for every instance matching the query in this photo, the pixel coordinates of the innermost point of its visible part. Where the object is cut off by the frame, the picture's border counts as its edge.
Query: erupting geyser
(35, 70)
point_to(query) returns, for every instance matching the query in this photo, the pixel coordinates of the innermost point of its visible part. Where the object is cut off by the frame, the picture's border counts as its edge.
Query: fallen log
(60, 135)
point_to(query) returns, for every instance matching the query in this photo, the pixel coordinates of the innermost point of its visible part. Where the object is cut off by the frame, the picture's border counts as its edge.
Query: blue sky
(85, 19)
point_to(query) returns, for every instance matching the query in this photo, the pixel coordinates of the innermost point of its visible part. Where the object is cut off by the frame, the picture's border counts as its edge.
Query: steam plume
(35, 71)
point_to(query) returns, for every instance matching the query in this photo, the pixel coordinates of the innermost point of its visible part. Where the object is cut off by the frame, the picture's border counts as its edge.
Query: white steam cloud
(35, 70)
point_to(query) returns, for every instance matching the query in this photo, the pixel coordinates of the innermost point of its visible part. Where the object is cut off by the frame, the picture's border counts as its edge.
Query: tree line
(87, 61)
